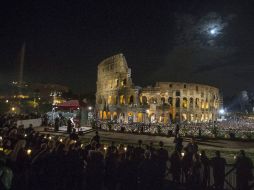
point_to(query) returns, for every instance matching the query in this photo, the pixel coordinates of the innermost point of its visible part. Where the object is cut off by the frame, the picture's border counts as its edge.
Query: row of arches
(177, 102)
(130, 117)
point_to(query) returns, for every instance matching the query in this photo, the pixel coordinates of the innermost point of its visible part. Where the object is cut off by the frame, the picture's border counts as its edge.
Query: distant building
(118, 99)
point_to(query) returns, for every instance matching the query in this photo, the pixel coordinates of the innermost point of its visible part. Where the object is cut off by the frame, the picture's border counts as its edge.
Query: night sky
(210, 42)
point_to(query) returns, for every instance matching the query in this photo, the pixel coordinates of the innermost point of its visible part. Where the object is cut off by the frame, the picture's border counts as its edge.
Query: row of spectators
(243, 129)
(29, 160)
(8, 120)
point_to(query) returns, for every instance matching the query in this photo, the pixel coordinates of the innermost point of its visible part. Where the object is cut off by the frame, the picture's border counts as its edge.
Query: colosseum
(118, 99)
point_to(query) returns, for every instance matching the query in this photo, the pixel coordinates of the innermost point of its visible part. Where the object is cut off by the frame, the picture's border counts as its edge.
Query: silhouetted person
(95, 170)
(177, 129)
(57, 123)
(192, 147)
(69, 126)
(175, 167)
(111, 165)
(195, 172)
(96, 138)
(161, 160)
(218, 165)
(147, 173)
(178, 143)
(139, 152)
(244, 174)
(205, 169)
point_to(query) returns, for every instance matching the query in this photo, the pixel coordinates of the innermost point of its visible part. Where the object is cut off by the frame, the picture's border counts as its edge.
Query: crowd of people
(7, 120)
(30, 160)
(231, 128)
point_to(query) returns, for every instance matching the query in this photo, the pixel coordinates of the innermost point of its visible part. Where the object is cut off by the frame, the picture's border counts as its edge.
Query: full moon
(212, 31)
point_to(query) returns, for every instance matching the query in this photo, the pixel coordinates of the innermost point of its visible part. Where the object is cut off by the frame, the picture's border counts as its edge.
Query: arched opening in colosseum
(197, 103)
(202, 104)
(110, 101)
(109, 115)
(153, 118)
(202, 119)
(170, 101)
(101, 115)
(104, 101)
(131, 99)
(192, 117)
(104, 116)
(206, 105)
(163, 101)
(171, 117)
(184, 117)
(124, 82)
(178, 93)
(177, 102)
(140, 117)
(153, 100)
(114, 116)
(191, 102)
(121, 117)
(99, 101)
(114, 100)
(185, 102)
(144, 100)
(122, 99)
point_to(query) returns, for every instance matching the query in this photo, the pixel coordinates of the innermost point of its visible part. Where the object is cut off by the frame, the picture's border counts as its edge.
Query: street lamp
(222, 111)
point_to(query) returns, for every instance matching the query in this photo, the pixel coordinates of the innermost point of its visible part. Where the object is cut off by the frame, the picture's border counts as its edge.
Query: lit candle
(125, 149)
(182, 154)
(61, 140)
(29, 151)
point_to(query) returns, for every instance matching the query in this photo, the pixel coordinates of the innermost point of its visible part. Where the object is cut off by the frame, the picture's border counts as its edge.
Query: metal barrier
(229, 182)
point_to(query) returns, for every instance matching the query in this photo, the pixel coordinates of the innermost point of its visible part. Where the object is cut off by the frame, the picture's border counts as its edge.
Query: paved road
(213, 144)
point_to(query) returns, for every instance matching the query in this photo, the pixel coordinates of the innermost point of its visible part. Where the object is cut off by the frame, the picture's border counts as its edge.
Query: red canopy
(71, 104)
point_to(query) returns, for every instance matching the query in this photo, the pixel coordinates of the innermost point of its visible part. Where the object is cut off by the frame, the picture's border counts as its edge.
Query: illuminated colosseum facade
(118, 99)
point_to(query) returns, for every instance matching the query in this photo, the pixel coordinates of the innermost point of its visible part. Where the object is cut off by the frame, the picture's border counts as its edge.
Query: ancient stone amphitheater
(118, 99)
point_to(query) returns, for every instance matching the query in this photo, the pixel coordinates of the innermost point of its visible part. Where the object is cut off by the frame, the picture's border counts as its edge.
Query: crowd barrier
(229, 182)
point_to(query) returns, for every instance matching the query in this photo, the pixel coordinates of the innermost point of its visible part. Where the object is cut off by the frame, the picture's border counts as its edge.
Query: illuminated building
(117, 98)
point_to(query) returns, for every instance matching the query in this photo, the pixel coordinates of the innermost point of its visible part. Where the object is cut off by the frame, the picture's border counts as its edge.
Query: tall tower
(21, 66)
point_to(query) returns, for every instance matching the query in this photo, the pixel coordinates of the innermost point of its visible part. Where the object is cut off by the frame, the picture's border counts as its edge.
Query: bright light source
(221, 111)
(6, 101)
(90, 108)
(147, 111)
(182, 154)
(125, 149)
(13, 109)
(212, 31)
(29, 151)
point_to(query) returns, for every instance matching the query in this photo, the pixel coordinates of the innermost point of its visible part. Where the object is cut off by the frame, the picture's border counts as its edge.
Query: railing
(229, 182)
